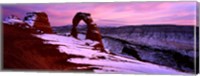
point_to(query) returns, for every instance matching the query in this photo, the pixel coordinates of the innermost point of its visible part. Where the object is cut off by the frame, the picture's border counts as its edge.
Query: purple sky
(113, 14)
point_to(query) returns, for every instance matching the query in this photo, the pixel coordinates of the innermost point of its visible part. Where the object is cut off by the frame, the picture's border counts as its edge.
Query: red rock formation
(37, 22)
(40, 21)
(23, 51)
(92, 31)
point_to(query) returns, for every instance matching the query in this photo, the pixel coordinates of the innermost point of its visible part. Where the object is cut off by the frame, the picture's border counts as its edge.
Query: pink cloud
(134, 13)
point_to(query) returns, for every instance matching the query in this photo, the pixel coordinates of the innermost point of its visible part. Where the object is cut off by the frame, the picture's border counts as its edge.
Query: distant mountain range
(142, 34)
(67, 28)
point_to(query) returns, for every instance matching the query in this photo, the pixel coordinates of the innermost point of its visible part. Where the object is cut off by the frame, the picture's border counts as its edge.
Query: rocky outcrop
(92, 31)
(36, 22)
(14, 20)
(39, 20)
(22, 51)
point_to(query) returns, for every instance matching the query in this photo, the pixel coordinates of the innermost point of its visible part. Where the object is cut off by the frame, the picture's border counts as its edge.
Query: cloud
(113, 14)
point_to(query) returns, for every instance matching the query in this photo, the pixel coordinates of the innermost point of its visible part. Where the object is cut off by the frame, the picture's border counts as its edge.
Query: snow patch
(106, 63)
(30, 18)
(80, 36)
(12, 21)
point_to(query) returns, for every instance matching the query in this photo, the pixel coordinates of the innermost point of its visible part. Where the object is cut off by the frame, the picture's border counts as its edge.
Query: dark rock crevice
(164, 57)
(161, 56)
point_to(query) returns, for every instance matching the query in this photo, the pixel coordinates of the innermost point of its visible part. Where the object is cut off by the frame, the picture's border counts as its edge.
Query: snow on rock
(80, 36)
(12, 20)
(30, 18)
(114, 66)
(71, 45)
(104, 62)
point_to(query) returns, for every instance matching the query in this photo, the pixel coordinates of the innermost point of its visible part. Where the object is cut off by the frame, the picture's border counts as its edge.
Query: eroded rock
(93, 32)
(38, 20)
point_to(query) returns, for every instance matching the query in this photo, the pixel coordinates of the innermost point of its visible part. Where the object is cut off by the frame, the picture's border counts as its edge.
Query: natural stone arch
(92, 31)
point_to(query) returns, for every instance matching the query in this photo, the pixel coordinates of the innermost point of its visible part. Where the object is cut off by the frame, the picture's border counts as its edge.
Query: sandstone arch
(92, 31)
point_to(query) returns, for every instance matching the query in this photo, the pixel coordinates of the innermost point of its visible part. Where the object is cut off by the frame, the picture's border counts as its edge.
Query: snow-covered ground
(104, 62)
